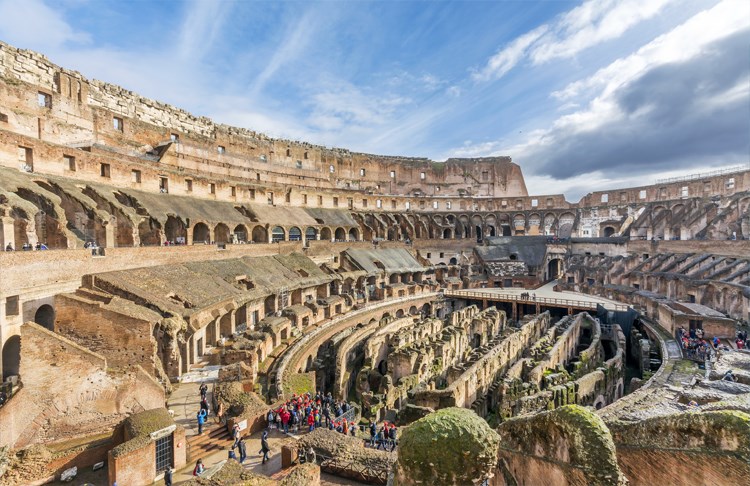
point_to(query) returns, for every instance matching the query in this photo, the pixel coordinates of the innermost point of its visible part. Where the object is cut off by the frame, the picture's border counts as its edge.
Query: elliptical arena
(513, 339)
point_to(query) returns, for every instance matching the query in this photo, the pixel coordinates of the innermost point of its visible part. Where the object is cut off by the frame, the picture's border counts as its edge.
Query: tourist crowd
(312, 412)
(697, 346)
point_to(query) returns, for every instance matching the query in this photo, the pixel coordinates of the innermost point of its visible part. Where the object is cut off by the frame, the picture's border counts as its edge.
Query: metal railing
(555, 302)
(703, 175)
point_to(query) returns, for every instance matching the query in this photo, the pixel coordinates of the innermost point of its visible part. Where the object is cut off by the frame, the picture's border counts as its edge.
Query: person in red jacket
(311, 422)
(285, 420)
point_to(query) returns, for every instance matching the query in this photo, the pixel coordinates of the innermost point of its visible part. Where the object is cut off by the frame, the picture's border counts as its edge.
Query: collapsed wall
(68, 391)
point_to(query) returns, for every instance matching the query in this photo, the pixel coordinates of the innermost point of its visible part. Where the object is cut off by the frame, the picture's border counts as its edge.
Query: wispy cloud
(295, 41)
(585, 26)
(32, 23)
(201, 27)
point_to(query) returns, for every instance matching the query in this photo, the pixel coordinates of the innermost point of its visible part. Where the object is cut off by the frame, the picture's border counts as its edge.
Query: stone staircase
(214, 437)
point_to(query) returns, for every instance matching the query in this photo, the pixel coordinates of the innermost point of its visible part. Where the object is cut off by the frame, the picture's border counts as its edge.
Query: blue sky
(583, 95)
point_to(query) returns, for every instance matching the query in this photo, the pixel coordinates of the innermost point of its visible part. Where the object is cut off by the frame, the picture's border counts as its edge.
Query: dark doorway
(45, 316)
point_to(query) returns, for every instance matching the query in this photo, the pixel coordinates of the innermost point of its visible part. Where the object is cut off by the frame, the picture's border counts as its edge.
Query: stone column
(109, 230)
(9, 235)
(189, 236)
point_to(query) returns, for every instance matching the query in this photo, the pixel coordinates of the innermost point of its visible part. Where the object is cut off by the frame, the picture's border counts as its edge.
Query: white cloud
(683, 42)
(592, 23)
(585, 26)
(507, 58)
(349, 105)
(32, 24)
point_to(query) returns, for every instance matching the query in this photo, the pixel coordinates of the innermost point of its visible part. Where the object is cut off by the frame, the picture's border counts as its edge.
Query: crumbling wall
(685, 448)
(68, 391)
(476, 379)
(569, 446)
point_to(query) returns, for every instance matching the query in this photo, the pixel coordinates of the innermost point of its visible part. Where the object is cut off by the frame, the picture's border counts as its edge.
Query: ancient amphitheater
(514, 339)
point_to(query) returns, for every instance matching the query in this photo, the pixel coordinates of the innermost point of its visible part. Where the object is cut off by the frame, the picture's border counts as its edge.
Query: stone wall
(68, 391)
(569, 446)
(475, 381)
(685, 448)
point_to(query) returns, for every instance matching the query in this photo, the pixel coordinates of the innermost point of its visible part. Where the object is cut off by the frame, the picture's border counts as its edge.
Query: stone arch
(260, 235)
(325, 234)
(149, 233)
(565, 225)
(11, 356)
(447, 234)
(340, 234)
(175, 230)
(309, 363)
(277, 234)
(354, 234)
(453, 261)
(599, 402)
(311, 234)
(554, 268)
(413, 310)
(240, 234)
(221, 233)
(608, 231)
(295, 234)
(201, 234)
(269, 304)
(399, 313)
(45, 316)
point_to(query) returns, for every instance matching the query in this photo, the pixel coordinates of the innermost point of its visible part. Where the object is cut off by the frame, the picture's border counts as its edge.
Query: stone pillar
(189, 236)
(109, 230)
(9, 235)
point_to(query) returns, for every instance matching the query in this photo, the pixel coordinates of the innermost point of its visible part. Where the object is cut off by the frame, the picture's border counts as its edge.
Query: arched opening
(609, 231)
(447, 234)
(353, 234)
(221, 233)
(453, 261)
(260, 235)
(554, 268)
(269, 305)
(148, 233)
(201, 234)
(506, 230)
(277, 234)
(295, 234)
(340, 234)
(45, 316)
(239, 235)
(400, 313)
(383, 367)
(478, 232)
(325, 234)
(11, 356)
(175, 231)
(492, 231)
(477, 340)
(309, 365)
(392, 234)
(311, 234)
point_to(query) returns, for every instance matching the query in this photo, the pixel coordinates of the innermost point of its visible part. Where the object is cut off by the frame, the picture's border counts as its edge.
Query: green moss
(299, 383)
(589, 444)
(144, 423)
(450, 446)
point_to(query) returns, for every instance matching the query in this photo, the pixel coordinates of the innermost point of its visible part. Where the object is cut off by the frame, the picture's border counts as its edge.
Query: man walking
(243, 450)
(264, 448)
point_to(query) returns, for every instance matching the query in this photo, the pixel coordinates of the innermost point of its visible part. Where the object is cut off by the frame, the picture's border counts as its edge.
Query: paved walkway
(185, 400)
(546, 291)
